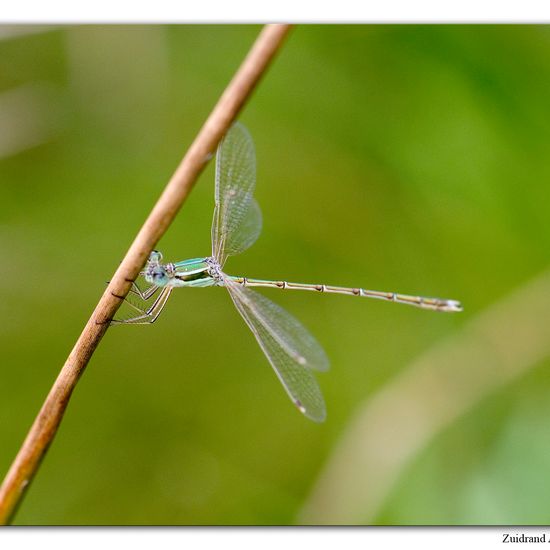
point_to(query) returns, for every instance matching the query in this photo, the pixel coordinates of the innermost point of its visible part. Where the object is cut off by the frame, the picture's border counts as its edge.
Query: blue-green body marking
(193, 273)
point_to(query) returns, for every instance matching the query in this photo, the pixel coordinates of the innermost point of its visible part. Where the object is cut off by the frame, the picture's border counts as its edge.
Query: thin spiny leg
(149, 316)
(144, 314)
(161, 306)
(137, 308)
(144, 294)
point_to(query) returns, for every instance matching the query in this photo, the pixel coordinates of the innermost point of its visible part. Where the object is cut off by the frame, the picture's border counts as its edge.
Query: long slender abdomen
(436, 304)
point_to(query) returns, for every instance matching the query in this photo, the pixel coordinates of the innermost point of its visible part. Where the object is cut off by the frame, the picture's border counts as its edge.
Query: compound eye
(159, 277)
(155, 257)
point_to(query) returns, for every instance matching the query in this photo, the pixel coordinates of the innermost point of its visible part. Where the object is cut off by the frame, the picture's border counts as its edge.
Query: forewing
(289, 347)
(237, 219)
(245, 234)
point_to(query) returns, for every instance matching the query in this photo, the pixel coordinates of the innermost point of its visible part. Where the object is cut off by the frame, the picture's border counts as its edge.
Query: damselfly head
(155, 273)
(155, 257)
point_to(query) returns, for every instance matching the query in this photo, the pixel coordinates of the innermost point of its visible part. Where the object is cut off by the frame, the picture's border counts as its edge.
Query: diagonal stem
(47, 422)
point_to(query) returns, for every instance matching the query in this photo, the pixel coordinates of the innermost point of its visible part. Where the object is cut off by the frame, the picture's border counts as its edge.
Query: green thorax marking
(193, 272)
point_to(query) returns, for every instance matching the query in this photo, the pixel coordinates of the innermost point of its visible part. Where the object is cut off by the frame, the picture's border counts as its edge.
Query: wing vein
(284, 340)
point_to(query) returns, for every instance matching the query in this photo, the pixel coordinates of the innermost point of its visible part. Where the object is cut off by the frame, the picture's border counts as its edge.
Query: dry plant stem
(224, 113)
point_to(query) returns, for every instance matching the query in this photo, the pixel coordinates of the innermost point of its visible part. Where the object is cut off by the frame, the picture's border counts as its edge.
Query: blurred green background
(405, 158)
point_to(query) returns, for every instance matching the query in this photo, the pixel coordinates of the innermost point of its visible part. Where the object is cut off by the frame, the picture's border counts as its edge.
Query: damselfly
(292, 351)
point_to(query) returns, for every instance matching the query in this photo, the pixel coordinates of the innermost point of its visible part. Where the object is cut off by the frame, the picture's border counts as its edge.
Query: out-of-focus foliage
(403, 158)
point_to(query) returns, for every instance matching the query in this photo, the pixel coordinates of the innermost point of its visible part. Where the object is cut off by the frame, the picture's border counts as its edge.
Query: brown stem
(45, 426)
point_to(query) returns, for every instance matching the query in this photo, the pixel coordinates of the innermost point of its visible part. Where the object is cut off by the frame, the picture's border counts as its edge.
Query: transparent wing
(237, 219)
(289, 347)
(243, 235)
